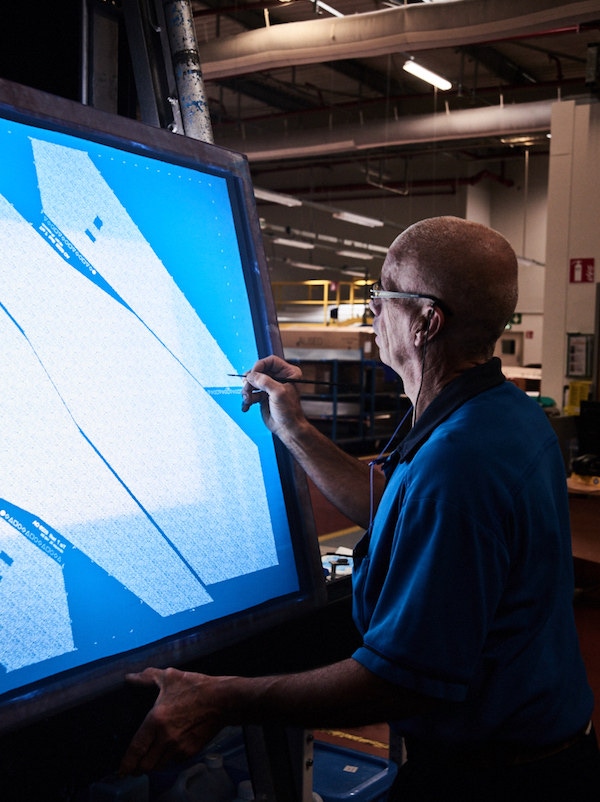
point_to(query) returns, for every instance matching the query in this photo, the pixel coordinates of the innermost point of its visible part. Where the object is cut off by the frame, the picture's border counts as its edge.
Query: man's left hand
(182, 720)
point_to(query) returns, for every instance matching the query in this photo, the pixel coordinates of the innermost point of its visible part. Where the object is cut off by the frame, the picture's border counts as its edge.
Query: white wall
(573, 231)
(516, 207)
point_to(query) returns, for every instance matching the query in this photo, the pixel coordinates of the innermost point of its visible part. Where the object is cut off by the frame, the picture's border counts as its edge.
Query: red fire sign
(581, 271)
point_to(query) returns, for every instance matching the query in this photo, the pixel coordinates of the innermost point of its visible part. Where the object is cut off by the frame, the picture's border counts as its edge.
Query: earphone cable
(383, 455)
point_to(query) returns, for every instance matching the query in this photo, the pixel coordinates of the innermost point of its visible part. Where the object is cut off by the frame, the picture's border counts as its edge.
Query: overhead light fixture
(355, 254)
(359, 219)
(526, 140)
(378, 248)
(410, 65)
(304, 265)
(276, 197)
(375, 173)
(293, 243)
(324, 7)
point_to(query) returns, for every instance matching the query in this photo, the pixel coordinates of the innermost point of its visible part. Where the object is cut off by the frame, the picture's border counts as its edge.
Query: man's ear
(432, 323)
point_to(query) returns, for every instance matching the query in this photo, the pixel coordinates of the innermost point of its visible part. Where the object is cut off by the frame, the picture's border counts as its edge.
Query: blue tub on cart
(339, 774)
(347, 775)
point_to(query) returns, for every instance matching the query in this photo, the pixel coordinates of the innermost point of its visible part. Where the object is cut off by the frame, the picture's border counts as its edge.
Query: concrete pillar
(573, 232)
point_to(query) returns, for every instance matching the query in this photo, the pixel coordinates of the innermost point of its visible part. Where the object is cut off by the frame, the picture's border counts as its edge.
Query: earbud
(429, 316)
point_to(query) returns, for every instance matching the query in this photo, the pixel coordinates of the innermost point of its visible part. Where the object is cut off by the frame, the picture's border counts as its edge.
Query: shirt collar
(469, 384)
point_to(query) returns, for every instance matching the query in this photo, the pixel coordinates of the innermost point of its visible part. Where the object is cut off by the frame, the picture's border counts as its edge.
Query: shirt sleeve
(434, 583)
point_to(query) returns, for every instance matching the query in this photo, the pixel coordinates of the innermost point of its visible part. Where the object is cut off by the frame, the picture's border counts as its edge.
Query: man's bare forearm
(192, 708)
(344, 694)
(343, 479)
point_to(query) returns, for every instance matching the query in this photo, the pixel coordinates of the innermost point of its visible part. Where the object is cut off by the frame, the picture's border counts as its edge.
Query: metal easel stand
(170, 90)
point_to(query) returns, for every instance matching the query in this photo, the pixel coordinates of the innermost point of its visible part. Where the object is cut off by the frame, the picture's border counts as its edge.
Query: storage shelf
(363, 405)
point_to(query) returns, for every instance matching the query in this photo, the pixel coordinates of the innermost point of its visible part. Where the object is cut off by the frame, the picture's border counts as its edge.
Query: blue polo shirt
(463, 588)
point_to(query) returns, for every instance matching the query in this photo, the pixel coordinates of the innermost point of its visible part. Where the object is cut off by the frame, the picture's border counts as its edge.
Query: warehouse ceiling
(299, 83)
(316, 95)
(314, 92)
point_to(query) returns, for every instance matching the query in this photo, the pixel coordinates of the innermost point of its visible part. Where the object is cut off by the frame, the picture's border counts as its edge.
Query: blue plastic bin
(339, 774)
(342, 775)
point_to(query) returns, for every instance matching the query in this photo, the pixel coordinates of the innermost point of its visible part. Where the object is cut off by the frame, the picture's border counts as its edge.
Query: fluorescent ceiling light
(293, 243)
(304, 265)
(333, 11)
(378, 248)
(359, 219)
(355, 254)
(525, 139)
(426, 75)
(276, 197)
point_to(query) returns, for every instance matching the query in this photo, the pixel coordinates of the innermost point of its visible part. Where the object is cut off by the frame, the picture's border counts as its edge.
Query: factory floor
(335, 531)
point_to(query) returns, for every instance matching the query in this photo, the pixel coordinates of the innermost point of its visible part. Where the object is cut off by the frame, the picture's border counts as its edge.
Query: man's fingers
(147, 677)
(143, 745)
(182, 720)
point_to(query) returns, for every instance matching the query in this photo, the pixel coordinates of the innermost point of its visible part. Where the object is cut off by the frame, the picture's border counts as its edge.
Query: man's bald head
(471, 268)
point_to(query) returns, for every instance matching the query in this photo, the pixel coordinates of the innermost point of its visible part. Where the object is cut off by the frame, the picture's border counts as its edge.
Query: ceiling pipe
(420, 187)
(193, 102)
(405, 28)
(465, 124)
(487, 94)
(426, 186)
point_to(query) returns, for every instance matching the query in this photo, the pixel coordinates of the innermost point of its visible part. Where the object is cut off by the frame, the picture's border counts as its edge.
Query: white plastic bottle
(221, 785)
(245, 791)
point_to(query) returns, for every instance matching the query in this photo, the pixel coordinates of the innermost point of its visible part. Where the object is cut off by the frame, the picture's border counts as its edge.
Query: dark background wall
(40, 45)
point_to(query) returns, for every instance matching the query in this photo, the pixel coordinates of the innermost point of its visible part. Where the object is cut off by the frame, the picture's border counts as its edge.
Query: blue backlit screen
(137, 501)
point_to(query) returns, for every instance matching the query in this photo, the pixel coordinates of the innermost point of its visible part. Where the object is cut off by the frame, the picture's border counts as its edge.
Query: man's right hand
(279, 401)
(344, 480)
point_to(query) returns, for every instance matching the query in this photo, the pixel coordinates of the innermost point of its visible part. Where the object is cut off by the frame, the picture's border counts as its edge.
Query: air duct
(490, 121)
(406, 28)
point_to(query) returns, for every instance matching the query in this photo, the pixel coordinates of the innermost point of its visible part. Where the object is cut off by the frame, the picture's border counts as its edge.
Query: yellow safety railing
(320, 292)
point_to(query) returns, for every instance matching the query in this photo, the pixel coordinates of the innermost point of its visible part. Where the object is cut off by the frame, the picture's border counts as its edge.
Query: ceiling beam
(507, 70)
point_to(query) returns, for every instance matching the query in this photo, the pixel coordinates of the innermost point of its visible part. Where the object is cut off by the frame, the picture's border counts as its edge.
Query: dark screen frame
(77, 686)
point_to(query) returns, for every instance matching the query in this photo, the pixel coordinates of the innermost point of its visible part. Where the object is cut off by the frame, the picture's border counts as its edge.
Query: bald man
(462, 584)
